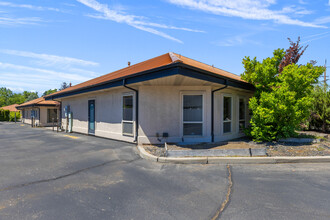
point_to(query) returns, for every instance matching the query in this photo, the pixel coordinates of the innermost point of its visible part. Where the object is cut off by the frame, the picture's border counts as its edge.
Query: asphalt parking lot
(49, 175)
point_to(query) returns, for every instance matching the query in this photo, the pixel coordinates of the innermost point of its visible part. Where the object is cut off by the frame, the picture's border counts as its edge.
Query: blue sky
(46, 42)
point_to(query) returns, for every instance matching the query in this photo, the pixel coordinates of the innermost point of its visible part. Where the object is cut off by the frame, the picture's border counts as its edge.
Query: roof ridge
(214, 67)
(174, 57)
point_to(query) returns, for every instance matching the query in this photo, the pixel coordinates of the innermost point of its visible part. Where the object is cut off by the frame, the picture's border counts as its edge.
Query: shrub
(4, 115)
(282, 100)
(12, 116)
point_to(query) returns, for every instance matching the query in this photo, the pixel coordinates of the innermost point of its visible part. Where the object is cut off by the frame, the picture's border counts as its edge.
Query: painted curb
(232, 160)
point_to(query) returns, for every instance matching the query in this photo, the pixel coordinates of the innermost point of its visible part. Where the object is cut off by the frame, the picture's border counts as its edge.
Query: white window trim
(197, 92)
(122, 114)
(245, 115)
(232, 113)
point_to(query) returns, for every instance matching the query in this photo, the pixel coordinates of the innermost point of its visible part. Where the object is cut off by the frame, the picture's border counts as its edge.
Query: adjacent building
(40, 112)
(11, 108)
(169, 97)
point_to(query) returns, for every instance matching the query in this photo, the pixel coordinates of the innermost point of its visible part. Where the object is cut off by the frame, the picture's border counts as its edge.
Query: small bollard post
(57, 125)
(15, 117)
(53, 123)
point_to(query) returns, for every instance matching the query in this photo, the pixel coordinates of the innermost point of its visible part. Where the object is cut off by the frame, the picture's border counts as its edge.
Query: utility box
(70, 122)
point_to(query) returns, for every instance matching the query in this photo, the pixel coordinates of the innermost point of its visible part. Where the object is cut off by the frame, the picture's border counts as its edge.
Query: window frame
(231, 113)
(49, 119)
(133, 114)
(182, 94)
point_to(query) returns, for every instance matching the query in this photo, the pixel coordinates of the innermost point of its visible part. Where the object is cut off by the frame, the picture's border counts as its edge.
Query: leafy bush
(282, 100)
(12, 116)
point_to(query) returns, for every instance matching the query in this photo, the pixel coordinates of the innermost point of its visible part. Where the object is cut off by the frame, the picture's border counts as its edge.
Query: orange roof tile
(11, 108)
(38, 101)
(159, 61)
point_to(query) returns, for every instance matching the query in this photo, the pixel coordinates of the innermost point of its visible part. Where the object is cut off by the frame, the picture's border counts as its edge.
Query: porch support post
(212, 108)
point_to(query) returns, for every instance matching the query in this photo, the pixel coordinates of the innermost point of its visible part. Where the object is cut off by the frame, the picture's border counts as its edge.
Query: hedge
(6, 115)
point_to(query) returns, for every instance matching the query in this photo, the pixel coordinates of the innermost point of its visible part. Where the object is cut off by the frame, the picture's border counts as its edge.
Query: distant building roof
(11, 108)
(38, 102)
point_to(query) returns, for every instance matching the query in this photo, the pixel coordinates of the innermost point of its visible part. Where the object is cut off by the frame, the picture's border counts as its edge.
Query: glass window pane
(241, 109)
(226, 127)
(51, 113)
(192, 129)
(128, 108)
(128, 127)
(226, 108)
(192, 108)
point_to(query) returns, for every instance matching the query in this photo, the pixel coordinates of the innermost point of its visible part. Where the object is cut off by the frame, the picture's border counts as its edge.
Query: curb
(232, 160)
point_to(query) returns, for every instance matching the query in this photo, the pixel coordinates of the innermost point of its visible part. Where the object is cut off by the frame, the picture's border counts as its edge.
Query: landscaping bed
(319, 147)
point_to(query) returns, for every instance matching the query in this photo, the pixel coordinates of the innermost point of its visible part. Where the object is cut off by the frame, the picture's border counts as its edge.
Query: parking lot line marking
(70, 136)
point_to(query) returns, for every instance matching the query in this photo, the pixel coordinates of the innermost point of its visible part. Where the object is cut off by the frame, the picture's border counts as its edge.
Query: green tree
(50, 91)
(64, 85)
(16, 98)
(31, 96)
(282, 100)
(5, 94)
(320, 117)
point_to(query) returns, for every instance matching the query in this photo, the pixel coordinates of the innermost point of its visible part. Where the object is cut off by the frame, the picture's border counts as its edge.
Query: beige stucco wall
(43, 116)
(160, 110)
(27, 119)
(108, 113)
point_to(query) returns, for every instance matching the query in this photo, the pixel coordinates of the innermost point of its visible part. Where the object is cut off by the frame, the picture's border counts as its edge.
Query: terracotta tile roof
(163, 60)
(38, 101)
(11, 108)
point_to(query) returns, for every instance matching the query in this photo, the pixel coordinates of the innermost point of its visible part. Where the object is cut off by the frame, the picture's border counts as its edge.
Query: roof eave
(177, 68)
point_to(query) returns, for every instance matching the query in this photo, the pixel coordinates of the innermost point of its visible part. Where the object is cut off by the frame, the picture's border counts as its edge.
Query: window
(23, 113)
(227, 114)
(192, 115)
(51, 114)
(242, 114)
(128, 115)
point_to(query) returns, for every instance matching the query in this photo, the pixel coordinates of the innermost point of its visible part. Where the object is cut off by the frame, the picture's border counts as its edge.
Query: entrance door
(91, 116)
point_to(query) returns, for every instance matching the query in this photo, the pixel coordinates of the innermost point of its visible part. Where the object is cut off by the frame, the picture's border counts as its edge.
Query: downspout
(212, 108)
(136, 110)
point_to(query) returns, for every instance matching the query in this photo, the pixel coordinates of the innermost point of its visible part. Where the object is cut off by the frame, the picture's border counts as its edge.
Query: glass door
(192, 115)
(91, 116)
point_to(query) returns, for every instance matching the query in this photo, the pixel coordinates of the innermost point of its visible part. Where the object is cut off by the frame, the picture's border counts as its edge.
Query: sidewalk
(232, 160)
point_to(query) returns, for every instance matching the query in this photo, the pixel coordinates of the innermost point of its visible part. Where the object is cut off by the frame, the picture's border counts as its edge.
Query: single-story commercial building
(40, 112)
(11, 108)
(169, 97)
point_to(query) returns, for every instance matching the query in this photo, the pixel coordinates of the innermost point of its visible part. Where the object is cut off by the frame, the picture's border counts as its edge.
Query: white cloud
(322, 20)
(131, 20)
(32, 7)
(246, 9)
(314, 37)
(237, 40)
(47, 59)
(20, 21)
(27, 69)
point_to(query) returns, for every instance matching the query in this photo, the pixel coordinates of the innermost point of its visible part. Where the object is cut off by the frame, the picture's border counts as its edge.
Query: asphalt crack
(229, 190)
(63, 176)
